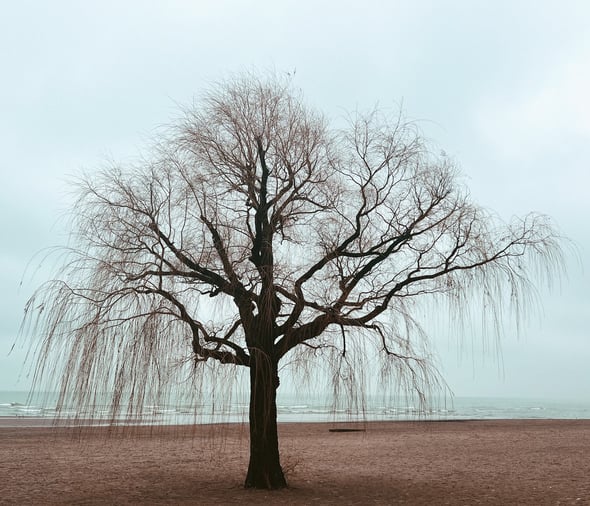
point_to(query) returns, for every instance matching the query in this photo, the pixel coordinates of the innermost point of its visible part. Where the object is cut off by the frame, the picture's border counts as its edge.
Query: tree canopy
(254, 230)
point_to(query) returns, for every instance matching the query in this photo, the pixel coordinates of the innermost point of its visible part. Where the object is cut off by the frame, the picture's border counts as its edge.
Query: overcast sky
(502, 86)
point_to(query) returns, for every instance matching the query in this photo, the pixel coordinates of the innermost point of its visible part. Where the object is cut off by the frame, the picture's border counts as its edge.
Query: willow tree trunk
(264, 469)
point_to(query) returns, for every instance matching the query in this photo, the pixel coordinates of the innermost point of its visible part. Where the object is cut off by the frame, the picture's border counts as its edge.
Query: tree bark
(264, 469)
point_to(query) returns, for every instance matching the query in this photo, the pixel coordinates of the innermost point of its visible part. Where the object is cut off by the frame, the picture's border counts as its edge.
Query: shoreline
(15, 422)
(534, 461)
(311, 409)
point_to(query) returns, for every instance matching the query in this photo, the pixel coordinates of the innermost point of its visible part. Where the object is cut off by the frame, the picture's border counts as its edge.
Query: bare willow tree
(255, 230)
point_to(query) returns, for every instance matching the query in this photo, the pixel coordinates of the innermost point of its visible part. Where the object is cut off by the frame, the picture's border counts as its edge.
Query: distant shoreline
(28, 422)
(15, 406)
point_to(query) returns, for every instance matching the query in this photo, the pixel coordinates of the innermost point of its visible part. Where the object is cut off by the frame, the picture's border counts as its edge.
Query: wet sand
(470, 462)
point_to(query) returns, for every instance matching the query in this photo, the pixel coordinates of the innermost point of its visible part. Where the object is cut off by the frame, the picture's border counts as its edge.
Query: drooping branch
(224, 257)
(239, 355)
(202, 273)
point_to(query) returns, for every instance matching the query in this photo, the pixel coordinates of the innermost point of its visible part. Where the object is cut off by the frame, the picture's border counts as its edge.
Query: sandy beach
(469, 462)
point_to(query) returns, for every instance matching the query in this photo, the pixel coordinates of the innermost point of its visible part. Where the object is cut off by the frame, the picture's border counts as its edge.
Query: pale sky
(501, 86)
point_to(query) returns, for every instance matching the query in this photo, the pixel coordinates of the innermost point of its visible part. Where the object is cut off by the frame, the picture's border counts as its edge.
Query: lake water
(17, 408)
